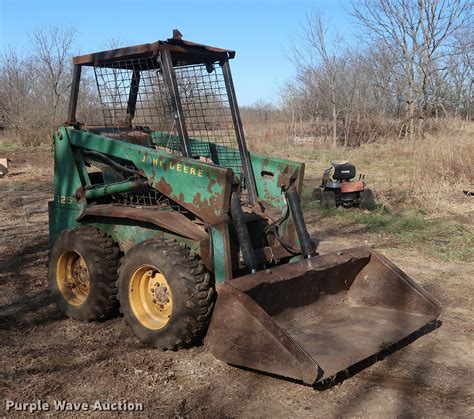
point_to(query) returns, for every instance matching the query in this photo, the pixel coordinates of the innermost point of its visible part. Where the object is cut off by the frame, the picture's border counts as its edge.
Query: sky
(260, 31)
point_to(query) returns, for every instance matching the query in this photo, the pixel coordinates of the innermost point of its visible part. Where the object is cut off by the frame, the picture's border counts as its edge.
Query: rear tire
(317, 195)
(328, 200)
(165, 293)
(82, 274)
(367, 199)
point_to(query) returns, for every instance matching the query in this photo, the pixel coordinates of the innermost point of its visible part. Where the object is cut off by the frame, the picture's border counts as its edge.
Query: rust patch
(212, 182)
(386, 306)
(170, 220)
(213, 203)
(197, 200)
(286, 178)
(164, 187)
(80, 194)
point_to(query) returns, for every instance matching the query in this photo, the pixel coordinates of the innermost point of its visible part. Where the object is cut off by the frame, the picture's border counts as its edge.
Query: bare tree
(317, 58)
(417, 34)
(34, 87)
(22, 111)
(52, 50)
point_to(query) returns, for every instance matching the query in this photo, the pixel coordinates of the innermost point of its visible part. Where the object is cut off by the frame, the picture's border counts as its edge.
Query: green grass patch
(440, 238)
(12, 144)
(445, 239)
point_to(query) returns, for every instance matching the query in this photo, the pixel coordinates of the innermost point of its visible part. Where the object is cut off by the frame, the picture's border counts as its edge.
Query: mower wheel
(367, 199)
(328, 200)
(165, 294)
(317, 195)
(82, 274)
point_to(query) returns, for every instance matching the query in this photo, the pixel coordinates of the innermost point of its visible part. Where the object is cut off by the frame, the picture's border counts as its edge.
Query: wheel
(317, 195)
(328, 200)
(165, 294)
(82, 274)
(367, 199)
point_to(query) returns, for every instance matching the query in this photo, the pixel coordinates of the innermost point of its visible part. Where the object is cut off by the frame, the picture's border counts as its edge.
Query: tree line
(414, 66)
(410, 67)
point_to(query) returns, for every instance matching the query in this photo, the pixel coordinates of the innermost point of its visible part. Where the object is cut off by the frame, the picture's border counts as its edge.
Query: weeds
(429, 173)
(440, 238)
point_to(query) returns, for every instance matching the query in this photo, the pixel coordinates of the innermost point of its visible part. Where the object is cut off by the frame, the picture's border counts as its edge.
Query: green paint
(221, 155)
(128, 233)
(202, 188)
(221, 258)
(113, 188)
(61, 218)
(267, 172)
(67, 178)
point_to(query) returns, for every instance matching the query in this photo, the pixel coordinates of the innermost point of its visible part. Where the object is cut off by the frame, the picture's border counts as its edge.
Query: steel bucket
(309, 320)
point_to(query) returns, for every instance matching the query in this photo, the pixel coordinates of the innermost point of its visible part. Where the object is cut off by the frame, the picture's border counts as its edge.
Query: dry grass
(428, 174)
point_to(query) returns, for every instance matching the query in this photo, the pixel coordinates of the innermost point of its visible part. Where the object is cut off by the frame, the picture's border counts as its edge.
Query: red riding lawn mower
(339, 189)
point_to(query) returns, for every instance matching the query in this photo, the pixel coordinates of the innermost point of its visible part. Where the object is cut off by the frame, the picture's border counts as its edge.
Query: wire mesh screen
(135, 97)
(207, 113)
(133, 94)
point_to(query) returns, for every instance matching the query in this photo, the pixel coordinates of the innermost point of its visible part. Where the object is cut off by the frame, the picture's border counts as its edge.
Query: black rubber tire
(317, 195)
(367, 199)
(102, 257)
(328, 200)
(191, 288)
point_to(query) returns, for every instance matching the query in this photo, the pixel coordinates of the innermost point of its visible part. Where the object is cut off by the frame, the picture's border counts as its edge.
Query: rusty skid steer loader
(160, 210)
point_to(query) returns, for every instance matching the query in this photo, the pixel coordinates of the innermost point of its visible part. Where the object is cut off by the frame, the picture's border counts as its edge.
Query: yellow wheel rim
(72, 278)
(150, 297)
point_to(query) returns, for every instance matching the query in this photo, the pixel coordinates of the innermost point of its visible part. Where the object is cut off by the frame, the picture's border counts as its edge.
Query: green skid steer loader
(161, 212)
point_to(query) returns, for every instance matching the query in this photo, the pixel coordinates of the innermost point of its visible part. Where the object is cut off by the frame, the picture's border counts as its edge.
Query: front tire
(328, 200)
(317, 195)
(82, 274)
(165, 294)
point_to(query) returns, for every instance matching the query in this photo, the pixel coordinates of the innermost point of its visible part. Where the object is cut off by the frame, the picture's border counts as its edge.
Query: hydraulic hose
(110, 162)
(242, 233)
(295, 209)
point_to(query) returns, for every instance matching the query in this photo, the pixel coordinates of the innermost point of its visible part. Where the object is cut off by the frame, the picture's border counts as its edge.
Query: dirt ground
(47, 357)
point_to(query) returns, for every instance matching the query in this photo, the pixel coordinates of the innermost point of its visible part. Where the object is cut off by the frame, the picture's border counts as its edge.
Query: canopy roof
(182, 53)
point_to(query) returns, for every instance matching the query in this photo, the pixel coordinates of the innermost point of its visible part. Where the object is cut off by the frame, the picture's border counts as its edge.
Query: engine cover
(344, 171)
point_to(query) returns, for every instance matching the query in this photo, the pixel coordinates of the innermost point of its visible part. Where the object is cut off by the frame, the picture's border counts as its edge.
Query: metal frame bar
(234, 108)
(76, 79)
(170, 79)
(133, 95)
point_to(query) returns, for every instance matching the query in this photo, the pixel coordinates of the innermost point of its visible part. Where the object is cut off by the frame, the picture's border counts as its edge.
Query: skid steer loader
(162, 212)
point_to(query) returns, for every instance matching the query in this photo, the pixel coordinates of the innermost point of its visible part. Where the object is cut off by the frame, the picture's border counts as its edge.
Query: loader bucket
(309, 320)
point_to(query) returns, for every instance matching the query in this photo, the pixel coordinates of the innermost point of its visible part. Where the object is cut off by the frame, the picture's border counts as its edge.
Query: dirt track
(45, 356)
